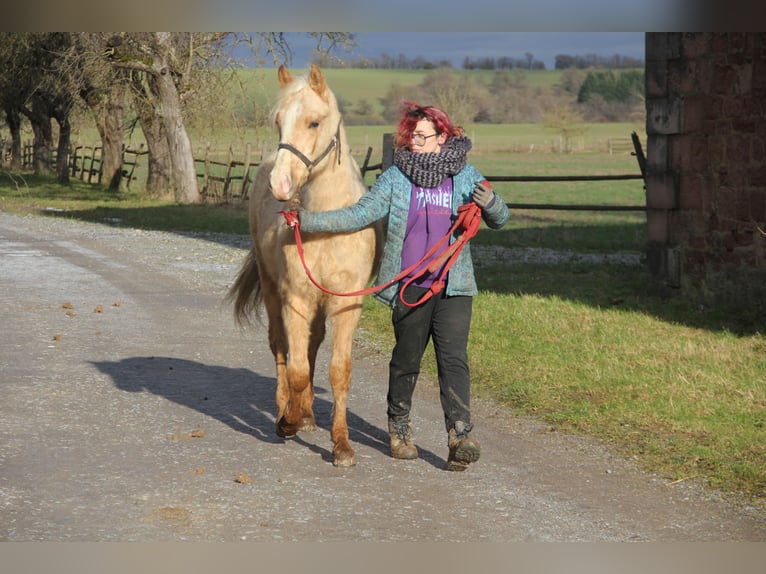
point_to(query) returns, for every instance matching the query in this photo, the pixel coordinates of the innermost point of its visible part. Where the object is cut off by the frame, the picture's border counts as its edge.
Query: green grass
(589, 348)
(687, 401)
(86, 202)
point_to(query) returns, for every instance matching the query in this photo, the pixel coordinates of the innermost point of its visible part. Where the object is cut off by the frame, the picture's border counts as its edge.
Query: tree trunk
(112, 138)
(161, 94)
(181, 155)
(13, 119)
(62, 151)
(43, 131)
(108, 111)
(158, 179)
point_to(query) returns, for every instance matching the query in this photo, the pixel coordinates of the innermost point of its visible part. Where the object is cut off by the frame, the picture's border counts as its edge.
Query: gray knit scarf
(430, 169)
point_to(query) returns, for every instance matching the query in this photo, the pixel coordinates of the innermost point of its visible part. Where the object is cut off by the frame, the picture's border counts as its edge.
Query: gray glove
(482, 194)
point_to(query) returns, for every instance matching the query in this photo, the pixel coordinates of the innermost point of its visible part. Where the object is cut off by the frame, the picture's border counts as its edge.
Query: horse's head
(308, 121)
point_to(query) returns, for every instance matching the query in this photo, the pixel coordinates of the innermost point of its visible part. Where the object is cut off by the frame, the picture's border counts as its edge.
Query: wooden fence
(220, 181)
(86, 163)
(638, 152)
(224, 181)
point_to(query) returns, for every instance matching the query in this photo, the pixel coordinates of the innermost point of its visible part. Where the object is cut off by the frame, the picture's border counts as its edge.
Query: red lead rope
(468, 218)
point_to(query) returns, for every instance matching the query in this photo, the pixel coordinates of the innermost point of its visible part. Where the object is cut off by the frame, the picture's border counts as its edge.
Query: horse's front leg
(298, 413)
(344, 323)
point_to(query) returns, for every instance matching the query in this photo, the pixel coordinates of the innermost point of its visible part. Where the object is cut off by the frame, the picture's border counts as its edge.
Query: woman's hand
(482, 194)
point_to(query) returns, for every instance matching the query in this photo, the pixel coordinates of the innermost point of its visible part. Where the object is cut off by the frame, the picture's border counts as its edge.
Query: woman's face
(425, 139)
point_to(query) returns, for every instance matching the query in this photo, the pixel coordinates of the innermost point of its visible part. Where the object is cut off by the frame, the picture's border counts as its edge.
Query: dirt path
(132, 404)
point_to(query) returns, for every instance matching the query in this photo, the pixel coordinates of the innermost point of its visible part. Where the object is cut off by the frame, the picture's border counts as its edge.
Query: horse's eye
(314, 125)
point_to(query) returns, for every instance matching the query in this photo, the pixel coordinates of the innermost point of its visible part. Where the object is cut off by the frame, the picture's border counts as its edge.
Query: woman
(420, 195)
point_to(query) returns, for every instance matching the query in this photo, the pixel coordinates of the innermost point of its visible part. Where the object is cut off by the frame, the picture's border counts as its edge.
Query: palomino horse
(312, 167)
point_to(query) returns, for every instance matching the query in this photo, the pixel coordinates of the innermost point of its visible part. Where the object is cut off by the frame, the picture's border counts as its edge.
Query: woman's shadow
(240, 398)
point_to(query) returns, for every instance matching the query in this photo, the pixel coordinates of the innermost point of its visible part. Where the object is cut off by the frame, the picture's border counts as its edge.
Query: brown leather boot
(402, 445)
(463, 450)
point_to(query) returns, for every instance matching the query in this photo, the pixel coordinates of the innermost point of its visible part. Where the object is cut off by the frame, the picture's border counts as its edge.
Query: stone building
(706, 164)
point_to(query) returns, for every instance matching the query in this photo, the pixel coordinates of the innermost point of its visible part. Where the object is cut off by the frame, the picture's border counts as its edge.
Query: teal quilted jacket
(390, 197)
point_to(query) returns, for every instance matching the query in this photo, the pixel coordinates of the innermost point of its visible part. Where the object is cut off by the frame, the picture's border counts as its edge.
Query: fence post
(246, 172)
(100, 170)
(639, 153)
(366, 162)
(388, 152)
(73, 161)
(82, 164)
(207, 170)
(25, 154)
(92, 161)
(227, 179)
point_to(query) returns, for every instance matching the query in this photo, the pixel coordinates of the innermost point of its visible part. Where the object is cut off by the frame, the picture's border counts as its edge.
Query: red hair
(411, 113)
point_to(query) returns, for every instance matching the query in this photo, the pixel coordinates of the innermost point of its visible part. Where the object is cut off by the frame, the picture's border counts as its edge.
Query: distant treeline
(402, 62)
(615, 62)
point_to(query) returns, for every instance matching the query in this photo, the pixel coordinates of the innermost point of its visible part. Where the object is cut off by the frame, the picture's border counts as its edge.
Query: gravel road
(135, 410)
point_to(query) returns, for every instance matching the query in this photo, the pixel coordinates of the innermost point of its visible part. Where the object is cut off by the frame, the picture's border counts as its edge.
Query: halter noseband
(310, 165)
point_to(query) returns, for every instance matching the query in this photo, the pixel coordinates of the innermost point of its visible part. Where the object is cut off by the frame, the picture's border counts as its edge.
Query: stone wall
(706, 160)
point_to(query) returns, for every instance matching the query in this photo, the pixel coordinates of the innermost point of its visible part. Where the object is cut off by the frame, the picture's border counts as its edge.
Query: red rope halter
(468, 218)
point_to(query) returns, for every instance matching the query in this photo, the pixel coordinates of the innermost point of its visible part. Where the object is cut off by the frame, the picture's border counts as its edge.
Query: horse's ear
(285, 77)
(316, 81)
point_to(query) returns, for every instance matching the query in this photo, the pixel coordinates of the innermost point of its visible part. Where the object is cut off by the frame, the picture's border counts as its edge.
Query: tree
(102, 87)
(35, 83)
(12, 91)
(567, 123)
(570, 80)
(458, 95)
(392, 101)
(166, 70)
(610, 96)
(160, 63)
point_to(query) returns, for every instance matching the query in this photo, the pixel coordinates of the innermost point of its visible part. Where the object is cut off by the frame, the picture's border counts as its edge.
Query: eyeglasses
(420, 139)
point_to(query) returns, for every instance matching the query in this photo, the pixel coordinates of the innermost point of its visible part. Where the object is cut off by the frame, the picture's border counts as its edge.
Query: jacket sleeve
(497, 214)
(371, 207)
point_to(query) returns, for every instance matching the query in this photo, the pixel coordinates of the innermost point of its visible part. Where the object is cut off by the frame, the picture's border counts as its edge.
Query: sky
(373, 16)
(462, 15)
(456, 46)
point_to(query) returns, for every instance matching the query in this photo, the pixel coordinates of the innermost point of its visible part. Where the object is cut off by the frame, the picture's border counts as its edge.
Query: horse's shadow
(239, 398)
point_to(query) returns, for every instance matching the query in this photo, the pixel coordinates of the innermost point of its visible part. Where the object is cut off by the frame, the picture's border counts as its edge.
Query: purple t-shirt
(429, 220)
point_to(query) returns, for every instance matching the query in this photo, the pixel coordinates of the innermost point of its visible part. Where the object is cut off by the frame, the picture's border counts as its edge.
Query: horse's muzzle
(281, 186)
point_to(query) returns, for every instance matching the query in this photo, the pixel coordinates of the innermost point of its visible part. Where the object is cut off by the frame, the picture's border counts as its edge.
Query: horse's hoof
(308, 424)
(286, 430)
(343, 459)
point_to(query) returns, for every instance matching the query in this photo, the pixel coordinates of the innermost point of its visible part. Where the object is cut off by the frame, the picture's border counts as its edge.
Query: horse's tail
(246, 292)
